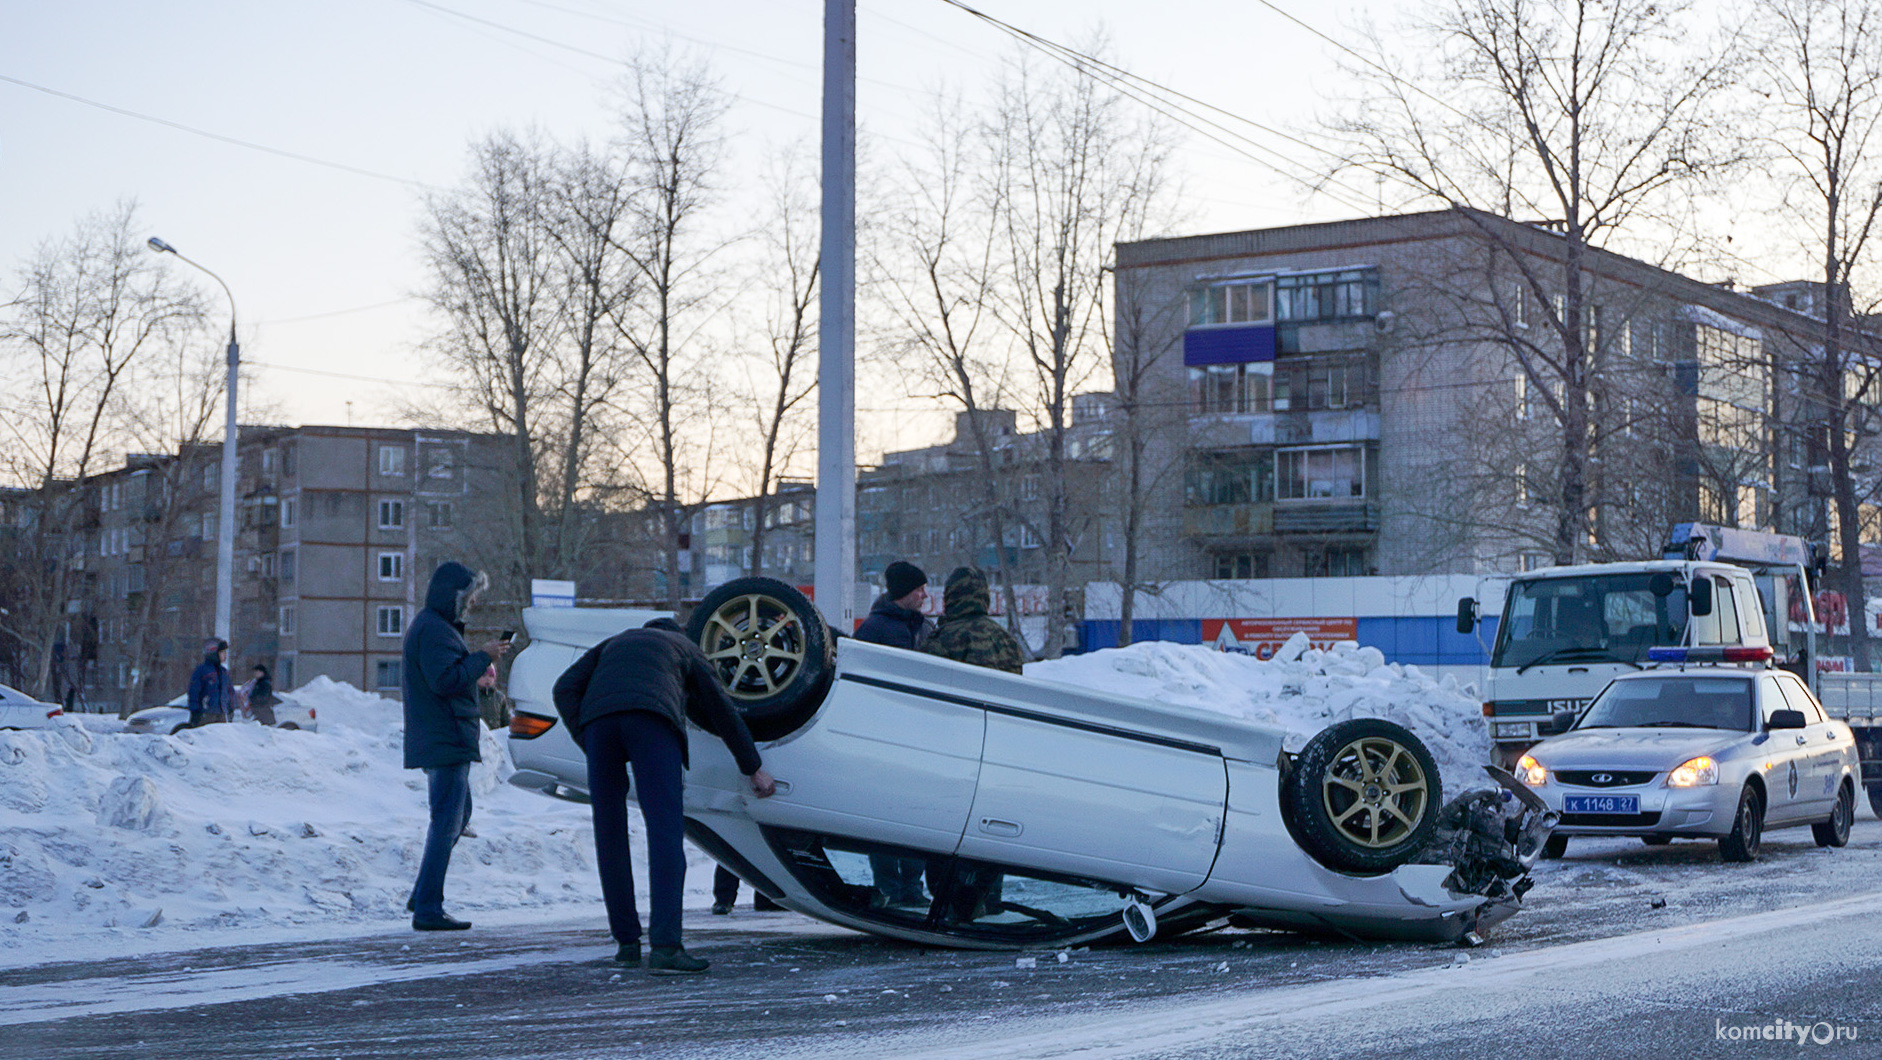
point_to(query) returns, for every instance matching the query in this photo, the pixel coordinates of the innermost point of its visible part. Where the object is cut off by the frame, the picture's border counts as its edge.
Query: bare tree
(791, 265)
(1141, 339)
(1574, 113)
(1821, 64)
(672, 136)
(91, 310)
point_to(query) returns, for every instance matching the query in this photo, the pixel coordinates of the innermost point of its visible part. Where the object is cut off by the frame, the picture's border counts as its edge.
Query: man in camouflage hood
(967, 633)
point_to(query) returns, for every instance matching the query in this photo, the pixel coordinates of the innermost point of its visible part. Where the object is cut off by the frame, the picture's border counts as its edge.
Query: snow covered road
(1629, 951)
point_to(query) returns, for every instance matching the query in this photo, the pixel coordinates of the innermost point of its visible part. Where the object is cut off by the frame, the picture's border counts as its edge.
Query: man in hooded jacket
(442, 726)
(967, 632)
(212, 695)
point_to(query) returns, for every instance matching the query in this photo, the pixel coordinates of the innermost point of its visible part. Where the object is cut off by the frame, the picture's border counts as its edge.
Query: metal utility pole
(225, 533)
(836, 331)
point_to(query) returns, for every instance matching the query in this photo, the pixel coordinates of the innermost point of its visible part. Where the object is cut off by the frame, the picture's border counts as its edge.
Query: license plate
(1600, 804)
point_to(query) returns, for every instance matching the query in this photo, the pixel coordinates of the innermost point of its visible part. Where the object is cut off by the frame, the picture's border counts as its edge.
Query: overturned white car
(1012, 811)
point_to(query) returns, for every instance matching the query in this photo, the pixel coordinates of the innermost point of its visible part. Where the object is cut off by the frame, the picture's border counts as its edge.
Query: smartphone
(507, 636)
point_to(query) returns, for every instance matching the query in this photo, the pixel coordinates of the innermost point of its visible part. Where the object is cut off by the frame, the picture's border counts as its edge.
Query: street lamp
(225, 533)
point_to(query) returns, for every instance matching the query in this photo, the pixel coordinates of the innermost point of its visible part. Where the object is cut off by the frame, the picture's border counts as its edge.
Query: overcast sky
(322, 259)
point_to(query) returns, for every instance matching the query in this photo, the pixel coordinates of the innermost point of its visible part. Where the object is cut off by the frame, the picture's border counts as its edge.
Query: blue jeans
(648, 742)
(450, 812)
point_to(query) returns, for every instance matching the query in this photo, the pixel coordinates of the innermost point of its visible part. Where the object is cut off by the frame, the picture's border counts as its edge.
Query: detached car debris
(1042, 813)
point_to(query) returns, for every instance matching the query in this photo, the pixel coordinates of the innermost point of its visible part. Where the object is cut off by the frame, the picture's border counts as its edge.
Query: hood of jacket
(966, 595)
(448, 583)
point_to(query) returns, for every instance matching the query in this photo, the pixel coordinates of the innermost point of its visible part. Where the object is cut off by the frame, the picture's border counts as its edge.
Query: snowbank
(1301, 690)
(105, 833)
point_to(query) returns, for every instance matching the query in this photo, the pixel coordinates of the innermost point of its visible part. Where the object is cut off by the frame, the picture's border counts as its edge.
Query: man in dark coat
(441, 726)
(625, 702)
(212, 696)
(895, 619)
(967, 632)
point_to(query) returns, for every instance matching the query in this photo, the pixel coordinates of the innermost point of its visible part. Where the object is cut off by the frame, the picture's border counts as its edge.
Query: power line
(194, 131)
(337, 312)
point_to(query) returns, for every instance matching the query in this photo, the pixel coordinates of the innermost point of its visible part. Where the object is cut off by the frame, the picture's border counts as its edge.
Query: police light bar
(1720, 654)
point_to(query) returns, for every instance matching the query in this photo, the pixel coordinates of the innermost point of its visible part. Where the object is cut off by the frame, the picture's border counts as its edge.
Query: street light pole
(225, 532)
(836, 327)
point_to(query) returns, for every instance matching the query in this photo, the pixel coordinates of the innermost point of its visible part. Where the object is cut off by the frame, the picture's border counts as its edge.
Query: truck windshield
(1673, 703)
(1590, 618)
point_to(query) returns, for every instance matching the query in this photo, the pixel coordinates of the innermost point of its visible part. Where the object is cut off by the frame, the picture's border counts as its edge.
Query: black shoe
(441, 922)
(721, 908)
(674, 960)
(629, 953)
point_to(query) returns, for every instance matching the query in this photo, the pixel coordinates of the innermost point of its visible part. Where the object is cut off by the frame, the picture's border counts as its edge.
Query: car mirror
(1559, 722)
(1785, 719)
(1700, 593)
(1466, 615)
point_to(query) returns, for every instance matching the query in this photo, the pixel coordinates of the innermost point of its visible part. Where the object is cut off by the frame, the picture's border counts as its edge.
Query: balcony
(1326, 517)
(1228, 520)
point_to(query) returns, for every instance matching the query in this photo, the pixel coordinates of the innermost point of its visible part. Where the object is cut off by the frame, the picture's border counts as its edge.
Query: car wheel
(771, 651)
(1656, 840)
(1835, 831)
(1747, 828)
(177, 728)
(1363, 796)
(291, 727)
(1875, 799)
(1554, 847)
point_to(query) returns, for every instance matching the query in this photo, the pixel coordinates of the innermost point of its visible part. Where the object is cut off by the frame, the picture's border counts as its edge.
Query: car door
(1820, 761)
(1057, 795)
(1784, 760)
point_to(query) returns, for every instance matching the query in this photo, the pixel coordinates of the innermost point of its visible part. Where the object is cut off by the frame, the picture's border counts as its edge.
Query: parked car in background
(289, 713)
(1043, 813)
(21, 711)
(1699, 752)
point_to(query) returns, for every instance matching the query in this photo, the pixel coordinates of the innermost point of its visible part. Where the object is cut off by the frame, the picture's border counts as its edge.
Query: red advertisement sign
(1262, 637)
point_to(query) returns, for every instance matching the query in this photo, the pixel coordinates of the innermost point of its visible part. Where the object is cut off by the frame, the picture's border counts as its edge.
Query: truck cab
(1565, 632)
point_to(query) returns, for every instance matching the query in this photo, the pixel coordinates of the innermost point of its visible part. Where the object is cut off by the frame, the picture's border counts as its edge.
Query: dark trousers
(725, 891)
(647, 742)
(450, 812)
(898, 878)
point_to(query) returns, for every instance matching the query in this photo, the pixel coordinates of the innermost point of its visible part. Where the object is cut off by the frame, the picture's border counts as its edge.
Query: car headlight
(1694, 772)
(1531, 772)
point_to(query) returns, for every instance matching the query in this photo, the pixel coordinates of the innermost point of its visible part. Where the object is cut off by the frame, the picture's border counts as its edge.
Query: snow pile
(246, 826)
(1302, 690)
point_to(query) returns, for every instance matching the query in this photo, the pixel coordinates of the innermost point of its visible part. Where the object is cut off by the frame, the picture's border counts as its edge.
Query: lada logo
(1602, 778)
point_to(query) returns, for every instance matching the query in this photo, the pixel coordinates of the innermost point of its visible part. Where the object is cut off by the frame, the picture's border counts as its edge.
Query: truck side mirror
(1466, 615)
(1785, 719)
(1700, 593)
(1559, 722)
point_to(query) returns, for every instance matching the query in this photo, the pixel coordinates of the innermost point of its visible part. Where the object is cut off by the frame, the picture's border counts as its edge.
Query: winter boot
(674, 960)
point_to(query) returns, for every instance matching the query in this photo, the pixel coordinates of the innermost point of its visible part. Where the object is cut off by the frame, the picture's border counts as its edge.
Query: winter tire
(1875, 799)
(1835, 831)
(1555, 847)
(771, 651)
(1747, 828)
(1363, 796)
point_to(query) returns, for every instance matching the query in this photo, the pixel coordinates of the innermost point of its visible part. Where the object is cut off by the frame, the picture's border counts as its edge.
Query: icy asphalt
(1625, 951)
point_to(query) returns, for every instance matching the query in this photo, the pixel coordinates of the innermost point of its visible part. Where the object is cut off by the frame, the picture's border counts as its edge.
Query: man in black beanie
(895, 619)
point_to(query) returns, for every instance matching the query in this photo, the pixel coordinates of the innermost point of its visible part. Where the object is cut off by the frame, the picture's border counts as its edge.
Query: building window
(1535, 560)
(1320, 474)
(286, 626)
(438, 514)
(439, 462)
(289, 512)
(1344, 295)
(391, 566)
(391, 460)
(391, 515)
(211, 475)
(1027, 537)
(1231, 388)
(391, 621)
(1230, 478)
(1336, 563)
(287, 566)
(209, 526)
(1241, 566)
(270, 565)
(284, 670)
(387, 674)
(270, 459)
(1242, 302)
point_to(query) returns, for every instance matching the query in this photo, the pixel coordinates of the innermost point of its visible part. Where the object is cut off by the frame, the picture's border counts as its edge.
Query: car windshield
(1590, 618)
(1671, 702)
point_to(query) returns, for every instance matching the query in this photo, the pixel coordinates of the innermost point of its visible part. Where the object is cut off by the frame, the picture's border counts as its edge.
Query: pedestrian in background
(625, 702)
(895, 619)
(212, 696)
(441, 726)
(258, 695)
(967, 632)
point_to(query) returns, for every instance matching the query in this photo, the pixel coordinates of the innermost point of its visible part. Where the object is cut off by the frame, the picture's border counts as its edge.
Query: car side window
(1723, 629)
(1800, 699)
(1751, 615)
